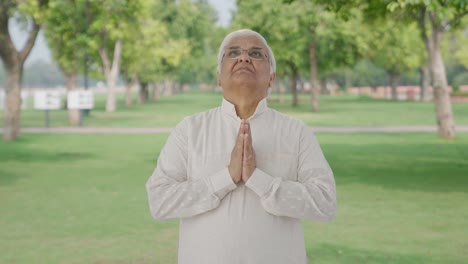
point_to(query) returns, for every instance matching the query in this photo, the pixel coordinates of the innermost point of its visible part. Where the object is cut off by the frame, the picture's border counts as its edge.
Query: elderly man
(242, 176)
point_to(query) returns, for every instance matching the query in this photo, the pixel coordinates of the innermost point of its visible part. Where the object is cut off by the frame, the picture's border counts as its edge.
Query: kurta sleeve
(312, 196)
(171, 194)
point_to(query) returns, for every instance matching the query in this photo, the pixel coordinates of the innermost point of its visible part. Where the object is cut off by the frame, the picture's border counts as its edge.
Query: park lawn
(402, 198)
(344, 110)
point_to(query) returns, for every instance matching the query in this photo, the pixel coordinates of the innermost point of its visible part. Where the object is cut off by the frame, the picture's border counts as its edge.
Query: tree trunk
(293, 82)
(111, 71)
(128, 90)
(143, 94)
(73, 114)
(281, 90)
(12, 108)
(156, 91)
(425, 82)
(168, 87)
(177, 87)
(443, 105)
(13, 61)
(323, 87)
(393, 79)
(315, 89)
(293, 88)
(348, 80)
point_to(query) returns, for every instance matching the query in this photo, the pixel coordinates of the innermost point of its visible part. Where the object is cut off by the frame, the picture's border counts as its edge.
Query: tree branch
(105, 60)
(7, 48)
(455, 19)
(116, 58)
(23, 54)
(422, 23)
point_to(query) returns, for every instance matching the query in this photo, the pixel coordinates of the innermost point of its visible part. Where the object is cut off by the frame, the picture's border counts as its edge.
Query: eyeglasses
(253, 53)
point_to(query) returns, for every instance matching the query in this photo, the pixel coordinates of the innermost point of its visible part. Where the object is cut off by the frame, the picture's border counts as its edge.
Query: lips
(244, 68)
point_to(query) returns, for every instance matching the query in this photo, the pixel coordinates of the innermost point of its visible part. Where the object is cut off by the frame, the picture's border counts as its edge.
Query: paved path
(121, 130)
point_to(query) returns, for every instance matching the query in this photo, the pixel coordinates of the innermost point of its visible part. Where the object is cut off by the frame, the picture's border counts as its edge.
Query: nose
(244, 57)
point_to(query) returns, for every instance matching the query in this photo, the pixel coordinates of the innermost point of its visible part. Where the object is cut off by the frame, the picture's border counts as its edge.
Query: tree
(31, 12)
(395, 48)
(277, 23)
(434, 19)
(195, 21)
(65, 31)
(109, 22)
(329, 41)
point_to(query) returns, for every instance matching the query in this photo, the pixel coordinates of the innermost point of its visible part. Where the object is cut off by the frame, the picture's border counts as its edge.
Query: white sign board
(80, 99)
(47, 100)
(24, 100)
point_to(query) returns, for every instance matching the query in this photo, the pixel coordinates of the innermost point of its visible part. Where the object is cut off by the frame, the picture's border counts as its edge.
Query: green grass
(335, 111)
(402, 198)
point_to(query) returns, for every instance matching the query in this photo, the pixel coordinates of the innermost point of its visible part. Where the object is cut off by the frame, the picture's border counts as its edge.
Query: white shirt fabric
(252, 223)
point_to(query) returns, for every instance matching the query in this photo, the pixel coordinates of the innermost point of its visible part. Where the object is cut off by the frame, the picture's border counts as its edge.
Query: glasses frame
(264, 56)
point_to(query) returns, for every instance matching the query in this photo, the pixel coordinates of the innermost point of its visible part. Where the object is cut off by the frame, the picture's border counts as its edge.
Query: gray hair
(245, 33)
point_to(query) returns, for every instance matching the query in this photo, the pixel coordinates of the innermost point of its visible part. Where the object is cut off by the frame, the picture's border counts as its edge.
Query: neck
(245, 105)
(245, 108)
(244, 98)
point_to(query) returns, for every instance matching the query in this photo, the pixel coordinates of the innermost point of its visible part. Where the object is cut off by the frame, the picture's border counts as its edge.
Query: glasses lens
(234, 53)
(255, 54)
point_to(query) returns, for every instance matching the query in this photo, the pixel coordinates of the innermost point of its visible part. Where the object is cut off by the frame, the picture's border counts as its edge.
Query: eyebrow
(237, 47)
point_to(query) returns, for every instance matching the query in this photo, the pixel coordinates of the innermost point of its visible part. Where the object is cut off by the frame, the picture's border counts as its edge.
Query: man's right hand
(235, 165)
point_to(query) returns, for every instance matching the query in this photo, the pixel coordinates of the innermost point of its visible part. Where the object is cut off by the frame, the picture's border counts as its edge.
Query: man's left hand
(249, 162)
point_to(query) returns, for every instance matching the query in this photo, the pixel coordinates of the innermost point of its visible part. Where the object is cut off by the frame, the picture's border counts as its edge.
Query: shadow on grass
(40, 156)
(328, 253)
(14, 155)
(418, 167)
(8, 177)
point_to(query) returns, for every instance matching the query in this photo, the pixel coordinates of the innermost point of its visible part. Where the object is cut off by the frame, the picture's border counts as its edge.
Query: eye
(256, 54)
(233, 53)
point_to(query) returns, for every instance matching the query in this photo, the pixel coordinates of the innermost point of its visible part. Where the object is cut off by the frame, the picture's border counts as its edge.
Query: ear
(219, 79)
(272, 78)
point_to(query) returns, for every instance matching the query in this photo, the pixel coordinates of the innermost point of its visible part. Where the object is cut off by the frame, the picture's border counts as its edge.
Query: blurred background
(90, 89)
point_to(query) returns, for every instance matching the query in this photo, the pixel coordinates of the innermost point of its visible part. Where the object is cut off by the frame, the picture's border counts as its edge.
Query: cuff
(221, 183)
(260, 182)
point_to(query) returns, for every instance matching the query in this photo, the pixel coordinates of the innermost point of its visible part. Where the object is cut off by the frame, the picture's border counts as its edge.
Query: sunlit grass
(81, 199)
(335, 111)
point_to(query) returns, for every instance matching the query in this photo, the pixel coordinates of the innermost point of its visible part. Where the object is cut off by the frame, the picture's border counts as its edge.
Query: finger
(247, 147)
(243, 127)
(249, 132)
(240, 139)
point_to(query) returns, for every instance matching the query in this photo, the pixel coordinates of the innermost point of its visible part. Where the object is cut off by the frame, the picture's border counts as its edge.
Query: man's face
(245, 75)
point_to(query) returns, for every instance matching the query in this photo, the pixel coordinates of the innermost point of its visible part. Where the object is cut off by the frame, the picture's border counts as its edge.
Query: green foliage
(174, 41)
(460, 40)
(278, 24)
(195, 23)
(34, 9)
(109, 21)
(446, 14)
(66, 33)
(396, 47)
(290, 28)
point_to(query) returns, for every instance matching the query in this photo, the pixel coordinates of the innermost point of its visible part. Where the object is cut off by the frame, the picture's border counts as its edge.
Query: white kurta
(252, 223)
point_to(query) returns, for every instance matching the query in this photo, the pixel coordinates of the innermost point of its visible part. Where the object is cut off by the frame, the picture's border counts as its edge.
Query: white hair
(242, 34)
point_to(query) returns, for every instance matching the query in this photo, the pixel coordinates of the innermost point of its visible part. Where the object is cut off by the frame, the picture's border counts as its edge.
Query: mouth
(244, 69)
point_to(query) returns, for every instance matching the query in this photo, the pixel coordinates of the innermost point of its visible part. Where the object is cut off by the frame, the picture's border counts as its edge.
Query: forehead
(246, 42)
